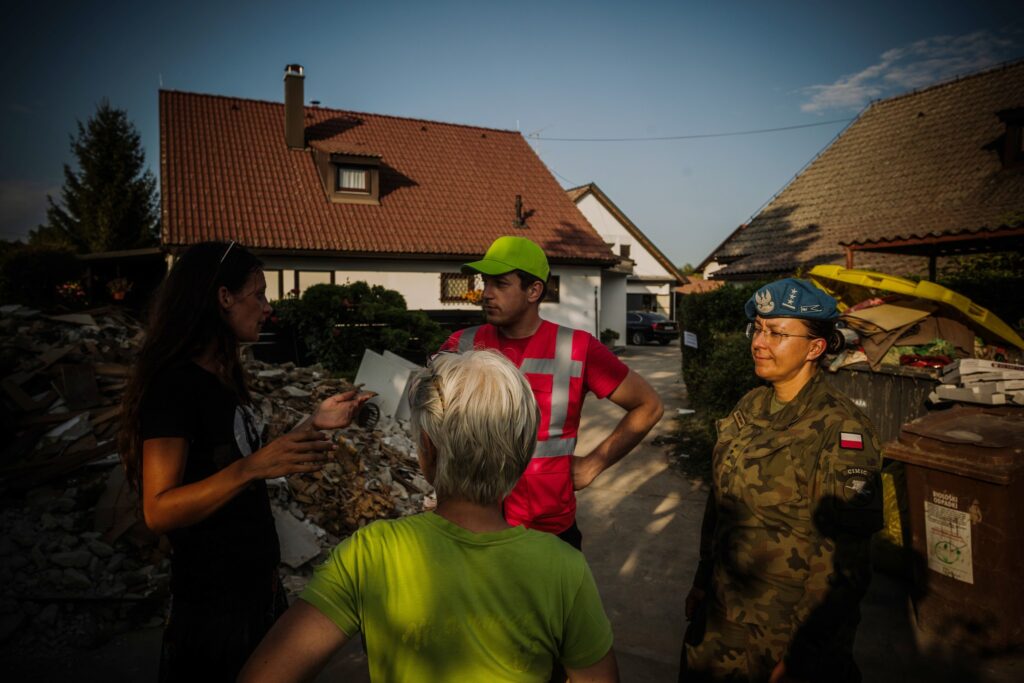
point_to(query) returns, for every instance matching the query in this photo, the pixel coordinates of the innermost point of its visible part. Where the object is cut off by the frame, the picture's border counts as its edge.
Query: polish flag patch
(851, 441)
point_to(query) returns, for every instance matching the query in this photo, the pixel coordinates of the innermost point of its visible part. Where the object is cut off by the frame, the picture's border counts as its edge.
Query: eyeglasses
(227, 251)
(772, 337)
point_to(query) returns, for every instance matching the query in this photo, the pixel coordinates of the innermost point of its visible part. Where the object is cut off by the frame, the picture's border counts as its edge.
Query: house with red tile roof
(914, 178)
(652, 279)
(327, 195)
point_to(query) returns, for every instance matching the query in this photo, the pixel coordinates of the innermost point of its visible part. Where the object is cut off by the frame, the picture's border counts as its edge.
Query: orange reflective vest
(553, 363)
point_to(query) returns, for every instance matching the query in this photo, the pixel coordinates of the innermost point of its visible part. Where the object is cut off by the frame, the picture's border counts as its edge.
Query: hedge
(336, 323)
(719, 371)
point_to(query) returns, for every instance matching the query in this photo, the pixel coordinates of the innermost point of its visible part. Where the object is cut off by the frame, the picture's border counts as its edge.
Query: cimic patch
(851, 441)
(858, 489)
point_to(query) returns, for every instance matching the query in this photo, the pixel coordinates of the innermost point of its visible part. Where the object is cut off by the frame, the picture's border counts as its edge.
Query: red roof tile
(914, 165)
(696, 285)
(445, 190)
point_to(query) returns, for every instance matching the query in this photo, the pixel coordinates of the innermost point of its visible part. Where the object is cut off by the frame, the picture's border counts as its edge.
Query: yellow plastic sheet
(850, 286)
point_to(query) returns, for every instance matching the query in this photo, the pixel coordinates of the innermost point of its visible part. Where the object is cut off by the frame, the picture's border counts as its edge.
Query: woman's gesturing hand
(303, 451)
(339, 410)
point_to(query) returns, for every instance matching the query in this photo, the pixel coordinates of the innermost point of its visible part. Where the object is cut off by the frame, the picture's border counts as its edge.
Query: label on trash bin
(948, 535)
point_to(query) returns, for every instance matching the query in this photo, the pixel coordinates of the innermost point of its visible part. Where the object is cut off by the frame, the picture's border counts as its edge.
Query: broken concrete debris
(76, 562)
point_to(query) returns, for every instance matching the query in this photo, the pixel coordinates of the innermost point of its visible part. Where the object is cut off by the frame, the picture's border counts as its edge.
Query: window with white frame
(353, 179)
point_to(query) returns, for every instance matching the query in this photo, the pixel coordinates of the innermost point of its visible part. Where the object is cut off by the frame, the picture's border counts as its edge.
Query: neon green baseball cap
(510, 253)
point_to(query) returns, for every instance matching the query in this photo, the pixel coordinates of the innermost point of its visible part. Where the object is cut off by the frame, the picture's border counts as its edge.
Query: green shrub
(336, 323)
(696, 440)
(33, 275)
(717, 373)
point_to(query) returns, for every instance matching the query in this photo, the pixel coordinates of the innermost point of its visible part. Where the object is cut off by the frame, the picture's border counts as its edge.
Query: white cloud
(23, 206)
(916, 65)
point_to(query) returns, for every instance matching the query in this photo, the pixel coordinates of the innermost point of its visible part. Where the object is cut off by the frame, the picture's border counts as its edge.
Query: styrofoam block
(389, 379)
(395, 358)
(402, 410)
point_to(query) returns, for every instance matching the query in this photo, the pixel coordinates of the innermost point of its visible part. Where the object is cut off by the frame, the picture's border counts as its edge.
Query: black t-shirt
(235, 550)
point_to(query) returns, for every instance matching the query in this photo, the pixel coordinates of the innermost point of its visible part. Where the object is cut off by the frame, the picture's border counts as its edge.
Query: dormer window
(348, 178)
(352, 179)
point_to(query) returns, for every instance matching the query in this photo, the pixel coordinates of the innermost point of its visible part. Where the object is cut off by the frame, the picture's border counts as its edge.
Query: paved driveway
(640, 523)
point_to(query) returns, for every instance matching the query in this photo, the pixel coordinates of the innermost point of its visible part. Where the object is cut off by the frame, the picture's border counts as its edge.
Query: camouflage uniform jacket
(796, 496)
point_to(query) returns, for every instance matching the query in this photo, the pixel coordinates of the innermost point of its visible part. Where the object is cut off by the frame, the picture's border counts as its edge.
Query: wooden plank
(44, 400)
(75, 319)
(30, 475)
(112, 370)
(105, 415)
(50, 418)
(48, 358)
(79, 385)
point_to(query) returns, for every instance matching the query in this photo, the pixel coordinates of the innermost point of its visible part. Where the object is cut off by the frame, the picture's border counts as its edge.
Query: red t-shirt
(543, 498)
(603, 372)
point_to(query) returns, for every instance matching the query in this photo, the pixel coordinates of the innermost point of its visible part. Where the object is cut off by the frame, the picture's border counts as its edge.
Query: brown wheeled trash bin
(965, 493)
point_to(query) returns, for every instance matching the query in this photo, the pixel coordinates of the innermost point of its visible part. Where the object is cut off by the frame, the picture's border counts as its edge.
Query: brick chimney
(294, 110)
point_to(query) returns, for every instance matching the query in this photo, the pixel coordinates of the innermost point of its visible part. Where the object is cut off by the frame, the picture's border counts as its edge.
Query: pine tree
(110, 202)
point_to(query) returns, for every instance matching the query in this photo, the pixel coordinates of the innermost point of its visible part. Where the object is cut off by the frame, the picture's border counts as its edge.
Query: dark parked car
(642, 327)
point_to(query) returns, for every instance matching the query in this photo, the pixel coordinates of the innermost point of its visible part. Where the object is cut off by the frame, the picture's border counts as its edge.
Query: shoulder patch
(851, 441)
(858, 486)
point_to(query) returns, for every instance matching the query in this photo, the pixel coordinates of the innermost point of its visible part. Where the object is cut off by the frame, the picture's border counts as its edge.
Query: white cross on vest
(562, 369)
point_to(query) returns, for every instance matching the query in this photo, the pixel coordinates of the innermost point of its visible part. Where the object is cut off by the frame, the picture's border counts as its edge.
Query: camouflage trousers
(731, 652)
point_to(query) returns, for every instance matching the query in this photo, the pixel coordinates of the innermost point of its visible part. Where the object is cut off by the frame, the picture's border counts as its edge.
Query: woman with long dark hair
(191, 445)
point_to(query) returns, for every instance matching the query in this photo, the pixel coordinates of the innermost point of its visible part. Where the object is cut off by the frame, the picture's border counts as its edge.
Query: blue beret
(791, 298)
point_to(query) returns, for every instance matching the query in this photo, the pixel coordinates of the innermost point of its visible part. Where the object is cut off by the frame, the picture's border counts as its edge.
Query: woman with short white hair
(456, 593)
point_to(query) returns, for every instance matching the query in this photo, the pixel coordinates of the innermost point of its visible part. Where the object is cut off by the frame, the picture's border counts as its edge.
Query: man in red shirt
(562, 365)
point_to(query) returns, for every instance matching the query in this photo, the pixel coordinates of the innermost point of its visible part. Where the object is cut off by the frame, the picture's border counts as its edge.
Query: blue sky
(551, 69)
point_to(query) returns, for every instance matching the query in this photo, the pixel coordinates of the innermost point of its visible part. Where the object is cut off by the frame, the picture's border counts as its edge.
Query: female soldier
(191, 443)
(795, 499)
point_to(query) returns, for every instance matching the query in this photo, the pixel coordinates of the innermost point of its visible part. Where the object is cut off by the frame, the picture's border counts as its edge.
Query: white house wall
(580, 299)
(613, 304)
(420, 283)
(613, 232)
(648, 288)
(660, 297)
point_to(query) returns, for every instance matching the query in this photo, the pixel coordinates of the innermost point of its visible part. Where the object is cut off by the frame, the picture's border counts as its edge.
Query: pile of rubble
(75, 560)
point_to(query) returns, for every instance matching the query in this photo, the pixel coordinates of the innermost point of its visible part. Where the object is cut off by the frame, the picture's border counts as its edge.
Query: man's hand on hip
(643, 410)
(584, 471)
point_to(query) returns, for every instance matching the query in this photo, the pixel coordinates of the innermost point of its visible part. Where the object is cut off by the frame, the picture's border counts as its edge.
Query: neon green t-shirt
(436, 602)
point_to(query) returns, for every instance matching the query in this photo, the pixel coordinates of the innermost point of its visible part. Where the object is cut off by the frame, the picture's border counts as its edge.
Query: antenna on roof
(520, 220)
